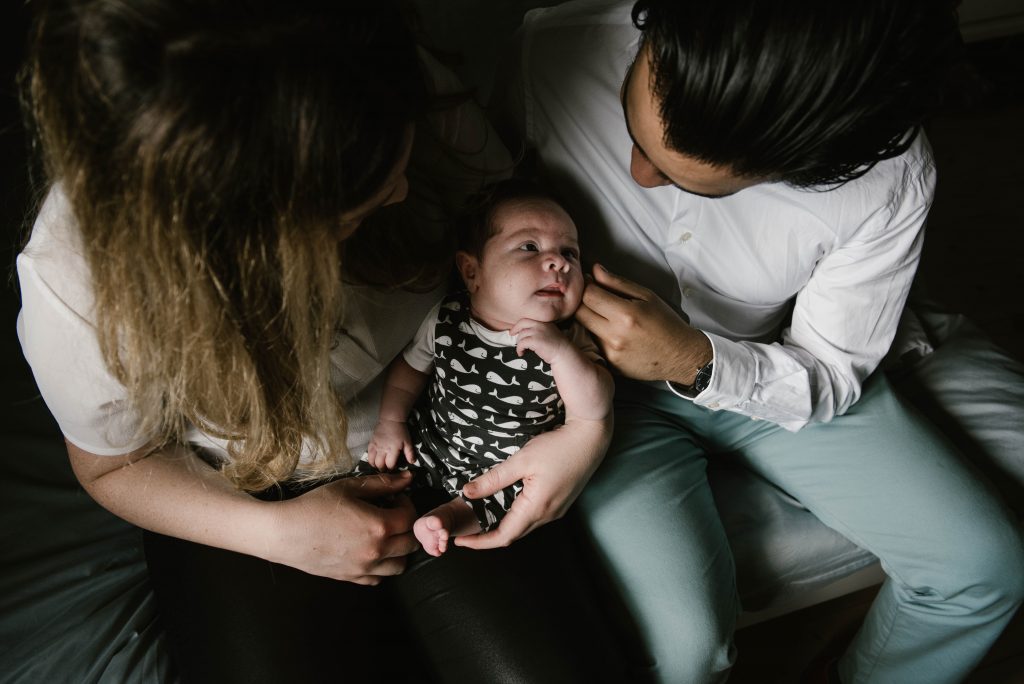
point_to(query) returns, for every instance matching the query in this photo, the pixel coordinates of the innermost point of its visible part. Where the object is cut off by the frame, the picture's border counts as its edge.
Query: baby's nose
(556, 262)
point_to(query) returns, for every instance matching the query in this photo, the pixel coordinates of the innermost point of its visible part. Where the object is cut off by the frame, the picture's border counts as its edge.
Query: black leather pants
(530, 613)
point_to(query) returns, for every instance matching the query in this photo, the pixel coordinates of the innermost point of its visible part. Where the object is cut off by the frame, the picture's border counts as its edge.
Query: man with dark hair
(792, 91)
(758, 168)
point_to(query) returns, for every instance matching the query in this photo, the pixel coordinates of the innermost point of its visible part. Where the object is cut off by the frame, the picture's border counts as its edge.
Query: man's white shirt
(800, 291)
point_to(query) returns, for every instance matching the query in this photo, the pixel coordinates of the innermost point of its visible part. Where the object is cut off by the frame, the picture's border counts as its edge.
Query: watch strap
(700, 383)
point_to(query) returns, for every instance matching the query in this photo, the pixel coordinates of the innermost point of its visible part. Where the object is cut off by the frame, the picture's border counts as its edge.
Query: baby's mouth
(553, 290)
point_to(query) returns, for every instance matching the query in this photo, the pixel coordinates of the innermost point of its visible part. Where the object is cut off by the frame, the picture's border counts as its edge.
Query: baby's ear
(469, 267)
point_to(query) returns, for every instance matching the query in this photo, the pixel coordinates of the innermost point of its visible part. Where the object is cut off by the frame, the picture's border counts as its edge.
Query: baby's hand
(390, 440)
(543, 339)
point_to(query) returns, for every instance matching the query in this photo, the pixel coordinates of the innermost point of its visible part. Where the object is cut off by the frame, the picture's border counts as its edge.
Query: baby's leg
(447, 520)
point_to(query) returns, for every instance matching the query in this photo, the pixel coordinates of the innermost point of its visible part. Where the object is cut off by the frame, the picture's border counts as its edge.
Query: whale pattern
(469, 420)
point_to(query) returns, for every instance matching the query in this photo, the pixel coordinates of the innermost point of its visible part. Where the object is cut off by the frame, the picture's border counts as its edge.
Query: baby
(503, 359)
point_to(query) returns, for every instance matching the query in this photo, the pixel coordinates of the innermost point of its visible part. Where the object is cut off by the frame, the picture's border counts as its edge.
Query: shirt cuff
(688, 392)
(732, 378)
(680, 391)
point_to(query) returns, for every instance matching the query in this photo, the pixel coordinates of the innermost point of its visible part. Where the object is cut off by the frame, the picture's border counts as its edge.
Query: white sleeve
(59, 340)
(843, 323)
(419, 353)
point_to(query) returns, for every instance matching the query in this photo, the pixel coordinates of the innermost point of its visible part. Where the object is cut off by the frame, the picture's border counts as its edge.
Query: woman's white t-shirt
(56, 322)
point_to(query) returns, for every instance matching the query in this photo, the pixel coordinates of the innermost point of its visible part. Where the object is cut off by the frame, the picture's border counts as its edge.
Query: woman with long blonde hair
(218, 275)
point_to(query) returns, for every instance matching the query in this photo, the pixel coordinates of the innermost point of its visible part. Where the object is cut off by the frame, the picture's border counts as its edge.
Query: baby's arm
(402, 388)
(585, 386)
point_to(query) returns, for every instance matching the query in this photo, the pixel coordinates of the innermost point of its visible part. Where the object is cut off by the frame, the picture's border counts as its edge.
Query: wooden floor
(779, 651)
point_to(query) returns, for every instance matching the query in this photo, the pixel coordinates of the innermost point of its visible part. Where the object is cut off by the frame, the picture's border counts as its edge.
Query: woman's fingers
(376, 486)
(398, 546)
(503, 475)
(514, 525)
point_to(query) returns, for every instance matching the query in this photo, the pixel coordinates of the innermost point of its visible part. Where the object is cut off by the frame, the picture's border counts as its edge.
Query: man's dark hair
(809, 92)
(476, 225)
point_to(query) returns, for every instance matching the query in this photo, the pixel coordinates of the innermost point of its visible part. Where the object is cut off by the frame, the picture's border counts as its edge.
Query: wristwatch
(703, 379)
(700, 382)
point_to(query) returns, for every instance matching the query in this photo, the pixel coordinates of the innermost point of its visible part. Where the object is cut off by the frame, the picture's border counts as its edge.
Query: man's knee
(995, 562)
(695, 648)
(984, 565)
(681, 595)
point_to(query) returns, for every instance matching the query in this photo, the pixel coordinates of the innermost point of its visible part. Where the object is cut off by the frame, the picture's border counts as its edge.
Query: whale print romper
(482, 404)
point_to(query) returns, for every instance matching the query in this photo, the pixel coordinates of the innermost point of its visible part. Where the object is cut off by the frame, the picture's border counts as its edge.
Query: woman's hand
(554, 466)
(338, 530)
(357, 529)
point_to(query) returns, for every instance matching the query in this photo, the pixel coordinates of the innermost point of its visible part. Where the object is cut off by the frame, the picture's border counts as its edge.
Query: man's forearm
(696, 353)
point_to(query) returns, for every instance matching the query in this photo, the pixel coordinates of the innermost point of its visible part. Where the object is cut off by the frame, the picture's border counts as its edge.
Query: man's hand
(640, 335)
(390, 440)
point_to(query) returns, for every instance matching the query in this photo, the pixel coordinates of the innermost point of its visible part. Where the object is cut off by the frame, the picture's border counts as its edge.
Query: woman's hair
(805, 91)
(209, 149)
(475, 222)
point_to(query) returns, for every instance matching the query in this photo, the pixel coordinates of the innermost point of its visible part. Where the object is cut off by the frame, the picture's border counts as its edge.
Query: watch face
(703, 378)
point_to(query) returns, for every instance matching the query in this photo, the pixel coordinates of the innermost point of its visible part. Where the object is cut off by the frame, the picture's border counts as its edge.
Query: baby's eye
(570, 254)
(528, 247)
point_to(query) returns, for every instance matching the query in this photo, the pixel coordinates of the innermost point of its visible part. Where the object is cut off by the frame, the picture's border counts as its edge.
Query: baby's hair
(475, 223)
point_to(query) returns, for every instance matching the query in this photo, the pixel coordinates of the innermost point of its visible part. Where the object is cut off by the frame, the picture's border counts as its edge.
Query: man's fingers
(603, 302)
(618, 284)
(590, 319)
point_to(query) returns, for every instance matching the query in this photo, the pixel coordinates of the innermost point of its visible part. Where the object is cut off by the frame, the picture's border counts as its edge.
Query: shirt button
(685, 236)
(687, 292)
(713, 405)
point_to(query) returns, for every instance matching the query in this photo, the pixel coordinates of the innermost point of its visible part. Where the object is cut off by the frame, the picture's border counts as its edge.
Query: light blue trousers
(880, 475)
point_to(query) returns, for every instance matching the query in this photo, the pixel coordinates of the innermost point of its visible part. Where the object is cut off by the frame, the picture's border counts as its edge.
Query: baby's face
(530, 268)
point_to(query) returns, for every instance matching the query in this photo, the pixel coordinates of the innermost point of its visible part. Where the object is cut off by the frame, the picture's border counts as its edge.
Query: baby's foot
(432, 532)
